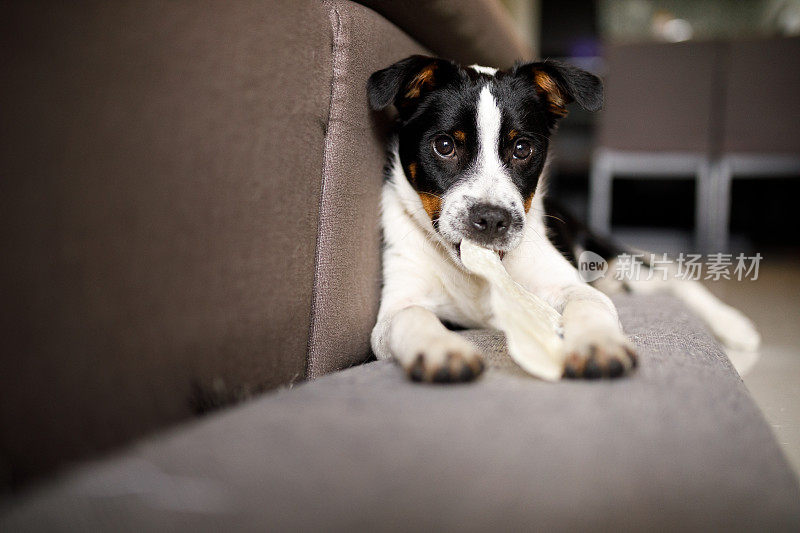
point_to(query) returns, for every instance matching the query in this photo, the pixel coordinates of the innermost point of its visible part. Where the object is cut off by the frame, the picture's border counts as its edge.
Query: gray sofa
(679, 446)
(189, 215)
(188, 204)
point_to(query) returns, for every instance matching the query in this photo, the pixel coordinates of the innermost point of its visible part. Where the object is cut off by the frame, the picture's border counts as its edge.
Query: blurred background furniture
(759, 122)
(707, 110)
(657, 122)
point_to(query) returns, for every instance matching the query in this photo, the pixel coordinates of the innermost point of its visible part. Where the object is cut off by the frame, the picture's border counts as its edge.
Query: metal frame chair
(722, 174)
(608, 164)
(740, 118)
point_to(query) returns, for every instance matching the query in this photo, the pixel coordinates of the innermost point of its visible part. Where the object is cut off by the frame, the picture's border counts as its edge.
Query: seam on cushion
(336, 58)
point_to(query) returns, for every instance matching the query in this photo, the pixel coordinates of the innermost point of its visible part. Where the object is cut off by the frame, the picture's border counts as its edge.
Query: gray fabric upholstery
(677, 446)
(159, 199)
(181, 183)
(347, 278)
(467, 31)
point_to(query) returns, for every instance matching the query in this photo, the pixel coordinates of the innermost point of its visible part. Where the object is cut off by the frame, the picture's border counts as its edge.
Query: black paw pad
(455, 369)
(615, 368)
(417, 370)
(592, 370)
(599, 364)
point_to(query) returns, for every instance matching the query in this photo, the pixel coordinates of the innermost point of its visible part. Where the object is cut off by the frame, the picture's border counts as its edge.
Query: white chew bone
(529, 323)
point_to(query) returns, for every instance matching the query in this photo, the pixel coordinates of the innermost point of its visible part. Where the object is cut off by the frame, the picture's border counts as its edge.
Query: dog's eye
(444, 145)
(522, 149)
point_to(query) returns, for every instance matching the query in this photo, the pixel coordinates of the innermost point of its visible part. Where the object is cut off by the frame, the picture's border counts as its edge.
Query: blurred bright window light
(682, 20)
(671, 29)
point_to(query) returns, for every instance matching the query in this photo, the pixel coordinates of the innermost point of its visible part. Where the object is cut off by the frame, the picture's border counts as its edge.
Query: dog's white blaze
(491, 182)
(488, 180)
(488, 121)
(491, 71)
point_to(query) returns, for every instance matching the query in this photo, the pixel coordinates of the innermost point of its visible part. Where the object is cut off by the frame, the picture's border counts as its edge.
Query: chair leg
(721, 179)
(600, 193)
(704, 206)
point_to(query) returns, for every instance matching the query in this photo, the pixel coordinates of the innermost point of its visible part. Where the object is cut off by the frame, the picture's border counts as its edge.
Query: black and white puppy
(467, 163)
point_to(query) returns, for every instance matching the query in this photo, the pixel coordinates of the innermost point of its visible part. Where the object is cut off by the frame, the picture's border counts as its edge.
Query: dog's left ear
(559, 84)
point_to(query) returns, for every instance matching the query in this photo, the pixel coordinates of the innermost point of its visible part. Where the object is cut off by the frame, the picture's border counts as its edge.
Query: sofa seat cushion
(678, 445)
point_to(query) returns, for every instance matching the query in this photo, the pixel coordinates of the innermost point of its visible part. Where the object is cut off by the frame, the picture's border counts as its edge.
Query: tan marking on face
(459, 135)
(549, 88)
(431, 203)
(412, 173)
(527, 204)
(424, 77)
(512, 134)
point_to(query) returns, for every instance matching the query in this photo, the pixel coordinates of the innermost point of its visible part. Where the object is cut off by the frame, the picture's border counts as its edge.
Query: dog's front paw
(599, 355)
(448, 361)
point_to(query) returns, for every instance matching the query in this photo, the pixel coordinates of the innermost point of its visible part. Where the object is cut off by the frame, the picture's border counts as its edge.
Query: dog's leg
(428, 351)
(729, 325)
(595, 345)
(594, 342)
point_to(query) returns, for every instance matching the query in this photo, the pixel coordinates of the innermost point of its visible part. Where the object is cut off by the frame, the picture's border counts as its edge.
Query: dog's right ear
(406, 82)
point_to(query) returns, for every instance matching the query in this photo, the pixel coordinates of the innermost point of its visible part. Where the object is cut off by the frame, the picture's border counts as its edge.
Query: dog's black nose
(488, 222)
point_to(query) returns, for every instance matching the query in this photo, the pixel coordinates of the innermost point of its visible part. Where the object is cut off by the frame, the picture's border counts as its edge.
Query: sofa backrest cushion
(347, 276)
(159, 199)
(466, 31)
(188, 208)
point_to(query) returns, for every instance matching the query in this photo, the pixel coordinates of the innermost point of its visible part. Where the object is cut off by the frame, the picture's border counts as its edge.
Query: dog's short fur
(467, 163)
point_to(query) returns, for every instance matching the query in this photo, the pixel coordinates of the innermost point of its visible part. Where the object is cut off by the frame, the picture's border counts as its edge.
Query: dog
(467, 162)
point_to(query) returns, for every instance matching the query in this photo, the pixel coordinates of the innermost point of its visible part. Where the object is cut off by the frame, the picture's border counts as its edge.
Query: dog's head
(473, 141)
